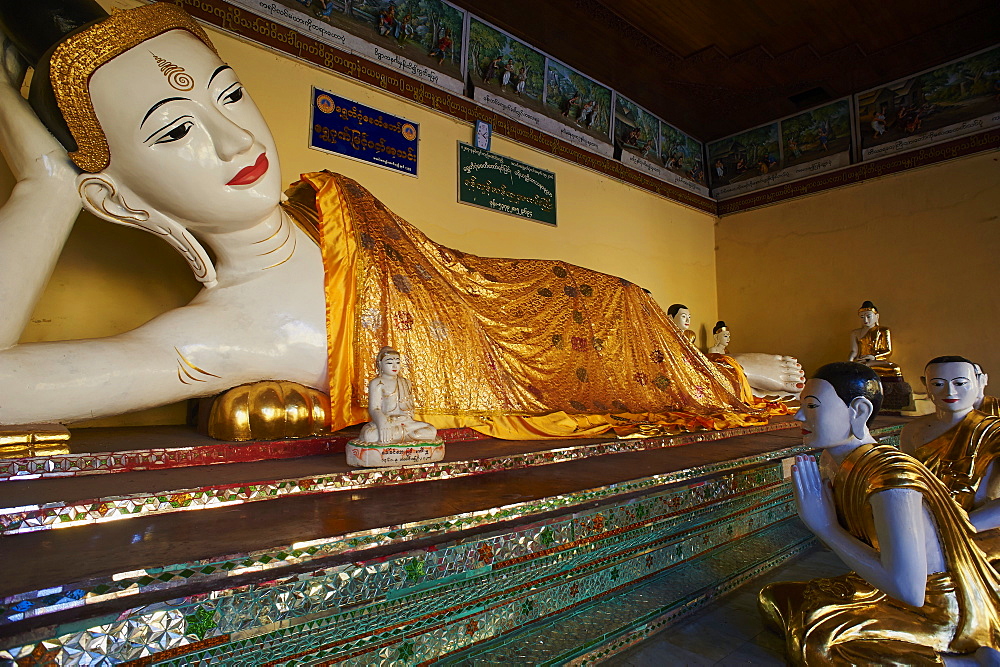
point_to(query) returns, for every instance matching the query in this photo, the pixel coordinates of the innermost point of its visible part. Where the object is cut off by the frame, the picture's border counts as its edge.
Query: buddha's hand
(14, 66)
(812, 496)
(389, 432)
(772, 373)
(31, 151)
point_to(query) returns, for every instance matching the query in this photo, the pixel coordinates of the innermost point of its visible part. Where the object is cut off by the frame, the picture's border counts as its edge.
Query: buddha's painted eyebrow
(158, 105)
(218, 71)
(959, 377)
(815, 398)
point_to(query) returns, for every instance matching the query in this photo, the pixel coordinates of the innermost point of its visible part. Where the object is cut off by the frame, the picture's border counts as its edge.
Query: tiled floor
(730, 631)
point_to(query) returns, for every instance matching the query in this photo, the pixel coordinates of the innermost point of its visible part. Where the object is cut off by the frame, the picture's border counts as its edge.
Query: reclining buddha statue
(145, 126)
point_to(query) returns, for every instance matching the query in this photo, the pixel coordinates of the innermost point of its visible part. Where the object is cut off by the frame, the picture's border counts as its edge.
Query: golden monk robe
(990, 405)
(962, 455)
(845, 620)
(513, 342)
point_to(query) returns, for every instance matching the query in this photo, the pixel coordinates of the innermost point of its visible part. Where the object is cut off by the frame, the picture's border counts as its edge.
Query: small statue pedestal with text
(374, 455)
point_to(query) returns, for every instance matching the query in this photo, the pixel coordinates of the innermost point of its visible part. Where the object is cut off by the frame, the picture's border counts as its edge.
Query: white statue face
(722, 338)
(204, 156)
(869, 318)
(390, 364)
(826, 419)
(683, 318)
(952, 386)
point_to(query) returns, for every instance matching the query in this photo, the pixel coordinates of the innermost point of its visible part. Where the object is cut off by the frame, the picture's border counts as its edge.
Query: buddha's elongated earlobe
(101, 197)
(861, 410)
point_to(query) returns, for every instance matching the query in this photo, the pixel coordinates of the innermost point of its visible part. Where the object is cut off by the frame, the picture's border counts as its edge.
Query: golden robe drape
(514, 347)
(960, 456)
(876, 342)
(990, 406)
(845, 620)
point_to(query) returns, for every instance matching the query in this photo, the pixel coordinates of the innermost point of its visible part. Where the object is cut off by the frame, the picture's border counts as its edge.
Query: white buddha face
(683, 318)
(869, 318)
(826, 419)
(390, 365)
(201, 155)
(952, 386)
(722, 337)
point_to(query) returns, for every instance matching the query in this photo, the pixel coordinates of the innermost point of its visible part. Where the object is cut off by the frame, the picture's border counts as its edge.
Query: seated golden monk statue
(921, 592)
(871, 344)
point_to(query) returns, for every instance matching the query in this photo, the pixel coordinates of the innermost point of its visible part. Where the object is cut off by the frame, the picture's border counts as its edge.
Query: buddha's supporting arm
(184, 353)
(37, 218)
(899, 568)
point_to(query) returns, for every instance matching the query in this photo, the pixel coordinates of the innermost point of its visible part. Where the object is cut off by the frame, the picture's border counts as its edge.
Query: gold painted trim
(295, 244)
(80, 55)
(192, 366)
(280, 245)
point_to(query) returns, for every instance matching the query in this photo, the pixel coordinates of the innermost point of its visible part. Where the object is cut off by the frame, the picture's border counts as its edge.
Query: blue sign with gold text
(353, 130)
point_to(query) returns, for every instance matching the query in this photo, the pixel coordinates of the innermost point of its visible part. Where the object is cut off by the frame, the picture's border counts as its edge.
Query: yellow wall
(111, 279)
(923, 245)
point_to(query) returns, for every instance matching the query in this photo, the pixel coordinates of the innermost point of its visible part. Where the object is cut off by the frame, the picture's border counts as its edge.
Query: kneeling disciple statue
(393, 436)
(921, 592)
(957, 442)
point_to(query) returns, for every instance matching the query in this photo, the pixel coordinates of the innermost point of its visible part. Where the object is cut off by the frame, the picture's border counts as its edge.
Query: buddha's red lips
(950, 400)
(250, 174)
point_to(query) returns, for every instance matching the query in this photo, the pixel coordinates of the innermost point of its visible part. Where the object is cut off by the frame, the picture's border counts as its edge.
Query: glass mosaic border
(186, 625)
(32, 517)
(425, 603)
(94, 591)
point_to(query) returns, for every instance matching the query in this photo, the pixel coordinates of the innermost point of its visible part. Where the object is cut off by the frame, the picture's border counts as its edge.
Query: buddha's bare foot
(772, 374)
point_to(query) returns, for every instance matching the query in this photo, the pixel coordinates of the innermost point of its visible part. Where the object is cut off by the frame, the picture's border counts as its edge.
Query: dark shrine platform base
(111, 545)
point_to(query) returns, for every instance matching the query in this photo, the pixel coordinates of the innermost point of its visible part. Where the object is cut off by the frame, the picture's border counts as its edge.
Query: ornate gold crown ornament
(77, 57)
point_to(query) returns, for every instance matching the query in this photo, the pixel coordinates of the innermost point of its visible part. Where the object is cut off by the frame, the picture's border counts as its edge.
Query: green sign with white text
(501, 184)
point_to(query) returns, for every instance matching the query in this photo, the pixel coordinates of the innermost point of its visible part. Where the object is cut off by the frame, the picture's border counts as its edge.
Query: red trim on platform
(103, 463)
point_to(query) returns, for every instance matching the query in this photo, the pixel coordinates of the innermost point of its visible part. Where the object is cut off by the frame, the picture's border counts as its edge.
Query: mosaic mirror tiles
(23, 519)
(606, 567)
(422, 604)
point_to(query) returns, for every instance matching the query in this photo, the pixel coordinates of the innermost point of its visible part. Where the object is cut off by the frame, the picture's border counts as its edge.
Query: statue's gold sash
(960, 456)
